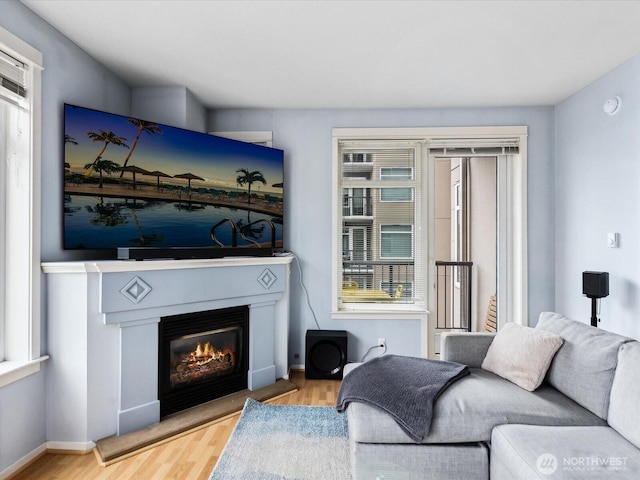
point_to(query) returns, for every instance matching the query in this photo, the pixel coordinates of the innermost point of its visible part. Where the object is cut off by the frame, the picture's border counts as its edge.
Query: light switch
(612, 240)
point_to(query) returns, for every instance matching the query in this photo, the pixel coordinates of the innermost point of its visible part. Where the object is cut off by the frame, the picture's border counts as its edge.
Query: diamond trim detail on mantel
(267, 278)
(136, 290)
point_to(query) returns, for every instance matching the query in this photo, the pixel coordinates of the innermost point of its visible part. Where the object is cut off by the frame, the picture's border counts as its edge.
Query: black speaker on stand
(595, 285)
(326, 354)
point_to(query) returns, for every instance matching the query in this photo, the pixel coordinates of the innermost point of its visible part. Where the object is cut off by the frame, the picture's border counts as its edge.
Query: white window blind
(7, 120)
(472, 147)
(381, 215)
(12, 75)
(12, 144)
(15, 150)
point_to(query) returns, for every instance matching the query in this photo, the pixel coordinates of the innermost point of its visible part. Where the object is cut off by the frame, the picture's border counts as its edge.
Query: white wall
(305, 137)
(596, 189)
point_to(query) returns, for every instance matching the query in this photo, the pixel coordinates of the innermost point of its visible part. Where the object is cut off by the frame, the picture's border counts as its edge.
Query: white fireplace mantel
(102, 334)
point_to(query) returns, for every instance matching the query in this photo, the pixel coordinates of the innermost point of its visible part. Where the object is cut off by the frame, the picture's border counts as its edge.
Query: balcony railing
(453, 295)
(373, 281)
(357, 206)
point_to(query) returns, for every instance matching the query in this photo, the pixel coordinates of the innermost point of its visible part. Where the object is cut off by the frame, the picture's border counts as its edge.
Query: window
(362, 158)
(382, 208)
(396, 194)
(20, 72)
(396, 173)
(396, 241)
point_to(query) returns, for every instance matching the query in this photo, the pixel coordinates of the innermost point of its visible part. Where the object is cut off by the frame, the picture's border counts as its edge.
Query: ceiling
(354, 54)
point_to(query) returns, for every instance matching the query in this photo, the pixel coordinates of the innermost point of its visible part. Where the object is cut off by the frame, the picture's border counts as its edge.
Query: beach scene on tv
(134, 183)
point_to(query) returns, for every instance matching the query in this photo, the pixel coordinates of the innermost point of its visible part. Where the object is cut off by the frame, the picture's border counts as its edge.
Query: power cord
(313, 313)
(384, 350)
(304, 289)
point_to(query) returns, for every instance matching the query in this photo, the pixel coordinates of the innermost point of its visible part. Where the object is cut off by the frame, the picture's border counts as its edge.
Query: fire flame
(207, 353)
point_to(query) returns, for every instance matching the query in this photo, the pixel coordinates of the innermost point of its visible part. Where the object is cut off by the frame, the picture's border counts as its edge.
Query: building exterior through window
(380, 185)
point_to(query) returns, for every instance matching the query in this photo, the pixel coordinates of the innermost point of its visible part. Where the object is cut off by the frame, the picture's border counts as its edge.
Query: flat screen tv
(147, 190)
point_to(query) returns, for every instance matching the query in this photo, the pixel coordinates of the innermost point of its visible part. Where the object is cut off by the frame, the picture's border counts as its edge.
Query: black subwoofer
(326, 354)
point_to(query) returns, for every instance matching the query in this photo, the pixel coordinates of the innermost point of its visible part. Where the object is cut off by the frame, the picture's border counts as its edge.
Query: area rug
(286, 442)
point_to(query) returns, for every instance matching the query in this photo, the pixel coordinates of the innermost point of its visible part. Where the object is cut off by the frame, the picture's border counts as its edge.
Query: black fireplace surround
(202, 356)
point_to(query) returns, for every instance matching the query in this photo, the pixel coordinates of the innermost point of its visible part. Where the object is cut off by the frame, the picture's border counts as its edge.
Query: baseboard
(79, 448)
(70, 447)
(297, 367)
(24, 462)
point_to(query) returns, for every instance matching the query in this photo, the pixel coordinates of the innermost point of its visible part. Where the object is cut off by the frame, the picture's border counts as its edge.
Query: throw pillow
(522, 355)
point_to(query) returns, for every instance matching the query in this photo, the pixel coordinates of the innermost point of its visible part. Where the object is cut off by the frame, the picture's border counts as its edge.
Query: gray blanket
(403, 387)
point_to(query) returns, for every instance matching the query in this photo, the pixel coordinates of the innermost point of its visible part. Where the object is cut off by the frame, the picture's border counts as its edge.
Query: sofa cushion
(538, 452)
(468, 410)
(416, 462)
(468, 348)
(584, 366)
(522, 355)
(625, 394)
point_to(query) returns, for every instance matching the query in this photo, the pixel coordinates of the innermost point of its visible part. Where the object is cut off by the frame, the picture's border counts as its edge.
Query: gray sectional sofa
(582, 422)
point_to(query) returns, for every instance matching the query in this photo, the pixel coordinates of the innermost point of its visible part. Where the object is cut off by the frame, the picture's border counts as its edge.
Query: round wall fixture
(612, 105)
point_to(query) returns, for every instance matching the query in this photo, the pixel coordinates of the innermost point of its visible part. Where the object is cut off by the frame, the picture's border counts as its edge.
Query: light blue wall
(597, 191)
(22, 419)
(71, 76)
(305, 137)
(175, 106)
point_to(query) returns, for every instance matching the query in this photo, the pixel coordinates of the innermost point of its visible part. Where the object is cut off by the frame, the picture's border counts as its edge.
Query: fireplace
(90, 397)
(202, 356)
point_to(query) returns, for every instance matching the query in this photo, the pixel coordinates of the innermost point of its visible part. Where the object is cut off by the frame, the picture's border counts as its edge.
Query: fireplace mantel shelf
(112, 266)
(102, 324)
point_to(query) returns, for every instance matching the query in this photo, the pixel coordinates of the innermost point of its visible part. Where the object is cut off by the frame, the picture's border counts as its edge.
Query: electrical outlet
(382, 342)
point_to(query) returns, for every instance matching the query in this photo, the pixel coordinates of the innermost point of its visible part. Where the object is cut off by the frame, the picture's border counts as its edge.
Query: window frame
(409, 309)
(513, 230)
(457, 234)
(21, 231)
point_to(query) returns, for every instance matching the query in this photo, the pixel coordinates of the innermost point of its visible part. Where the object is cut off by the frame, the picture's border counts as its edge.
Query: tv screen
(134, 183)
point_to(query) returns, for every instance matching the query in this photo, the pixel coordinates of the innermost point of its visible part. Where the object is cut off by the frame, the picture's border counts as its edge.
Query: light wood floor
(190, 457)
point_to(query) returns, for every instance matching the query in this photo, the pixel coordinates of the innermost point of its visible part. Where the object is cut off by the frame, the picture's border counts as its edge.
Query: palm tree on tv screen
(148, 127)
(248, 178)
(102, 165)
(107, 137)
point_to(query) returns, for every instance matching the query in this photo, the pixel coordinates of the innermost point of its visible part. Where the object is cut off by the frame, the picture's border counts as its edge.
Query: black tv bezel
(184, 253)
